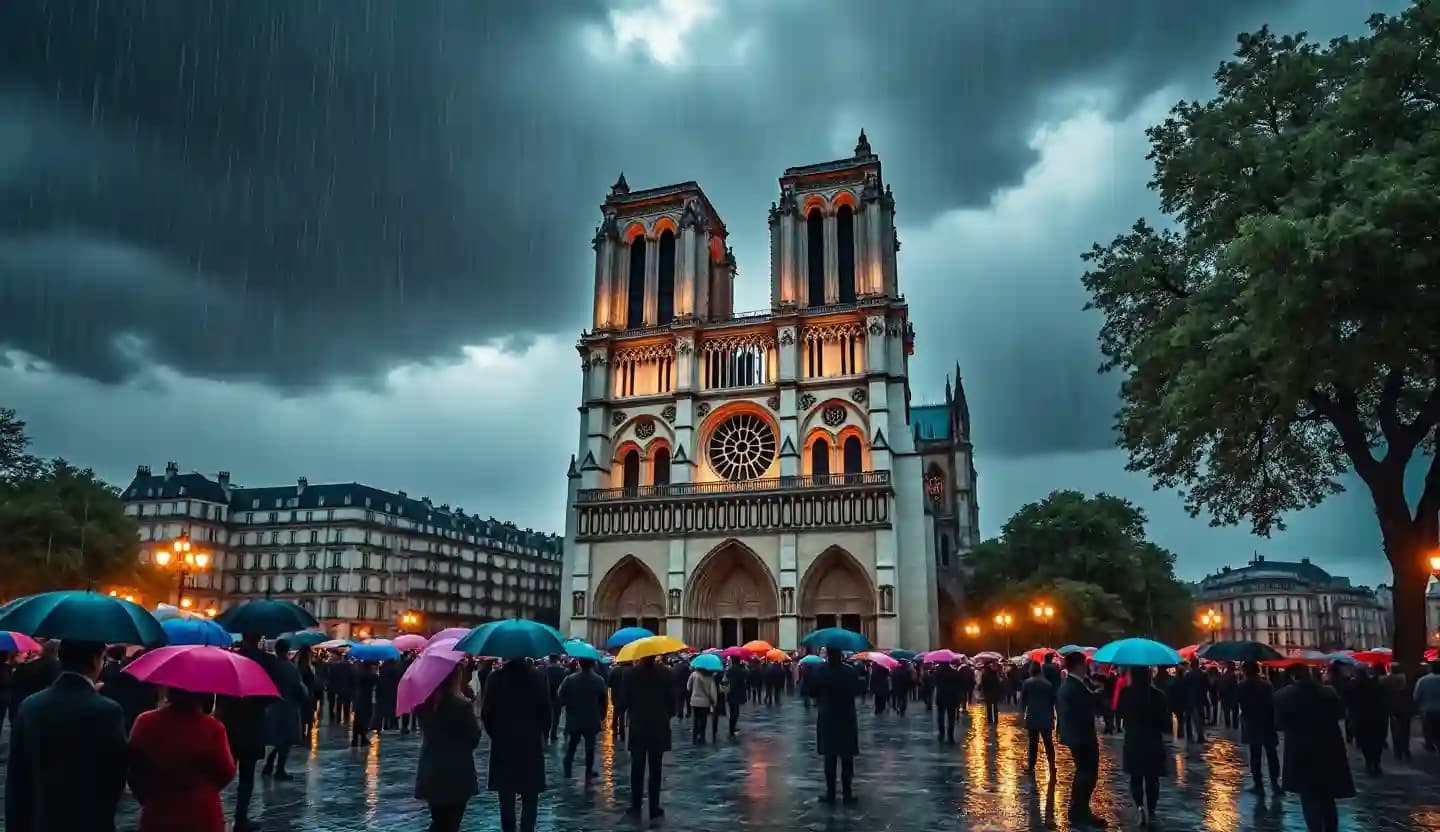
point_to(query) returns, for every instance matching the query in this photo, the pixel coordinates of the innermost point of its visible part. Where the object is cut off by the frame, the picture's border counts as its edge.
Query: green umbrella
(846, 640)
(1238, 651)
(512, 638)
(82, 616)
(575, 648)
(903, 655)
(305, 638)
(266, 617)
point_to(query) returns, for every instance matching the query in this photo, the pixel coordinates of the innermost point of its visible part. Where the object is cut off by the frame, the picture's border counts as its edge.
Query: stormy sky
(350, 240)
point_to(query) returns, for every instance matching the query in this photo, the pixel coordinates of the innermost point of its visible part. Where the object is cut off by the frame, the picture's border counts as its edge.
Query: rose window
(742, 447)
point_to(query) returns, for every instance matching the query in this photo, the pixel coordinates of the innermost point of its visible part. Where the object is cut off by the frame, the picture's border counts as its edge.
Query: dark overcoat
(1257, 712)
(650, 706)
(1146, 711)
(445, 773)
(583, 695)
(834, 688)
(516, 712)
(1309, 715)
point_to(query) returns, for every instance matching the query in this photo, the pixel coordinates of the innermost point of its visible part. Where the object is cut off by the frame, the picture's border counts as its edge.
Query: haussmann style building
(748, 475)
(1293, 606)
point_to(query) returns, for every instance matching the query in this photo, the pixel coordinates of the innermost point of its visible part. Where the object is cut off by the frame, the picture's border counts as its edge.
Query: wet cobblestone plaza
(769, 778)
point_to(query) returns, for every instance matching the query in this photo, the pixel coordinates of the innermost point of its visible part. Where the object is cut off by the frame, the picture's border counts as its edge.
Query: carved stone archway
(836, 592)
(628, 596)
(731, 598)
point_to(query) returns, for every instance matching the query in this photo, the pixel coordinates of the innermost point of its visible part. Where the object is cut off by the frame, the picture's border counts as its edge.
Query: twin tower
(760, 474)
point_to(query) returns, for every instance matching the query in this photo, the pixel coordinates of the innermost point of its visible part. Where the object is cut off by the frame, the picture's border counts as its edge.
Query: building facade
(758, 474)
(360, 559)
(1294, 606)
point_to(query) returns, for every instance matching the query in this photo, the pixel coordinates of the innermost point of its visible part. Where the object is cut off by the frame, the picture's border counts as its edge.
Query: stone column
(685, 274)
(874, 274)
(862, 247)
(701, 257)
(603, 259)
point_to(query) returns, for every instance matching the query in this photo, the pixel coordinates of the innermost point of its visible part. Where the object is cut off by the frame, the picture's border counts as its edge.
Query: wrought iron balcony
(810, 503)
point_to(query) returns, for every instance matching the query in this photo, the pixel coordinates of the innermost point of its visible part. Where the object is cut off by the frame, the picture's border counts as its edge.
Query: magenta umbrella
(736, 653)
(426, 674)
(409, 642)
(940, 657)
(202, 669)
(456, 633)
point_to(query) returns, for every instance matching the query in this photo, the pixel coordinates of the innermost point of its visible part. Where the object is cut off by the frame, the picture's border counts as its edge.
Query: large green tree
(1286, 328)
(1089, 558)
(62, 527)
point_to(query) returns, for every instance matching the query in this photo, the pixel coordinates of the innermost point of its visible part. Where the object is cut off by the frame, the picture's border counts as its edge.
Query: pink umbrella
(201, 669)
(711, 650)
(456, 633)
(880, 659)
(427, 673)
(12, 642)
(940, 657)
(409, 642)
(736, 653)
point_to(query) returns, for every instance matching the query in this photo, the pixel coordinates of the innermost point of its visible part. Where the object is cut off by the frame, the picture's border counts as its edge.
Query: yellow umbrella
(651, 646)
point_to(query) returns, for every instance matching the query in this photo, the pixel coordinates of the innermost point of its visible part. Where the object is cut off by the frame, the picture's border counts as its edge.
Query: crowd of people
(77, 718)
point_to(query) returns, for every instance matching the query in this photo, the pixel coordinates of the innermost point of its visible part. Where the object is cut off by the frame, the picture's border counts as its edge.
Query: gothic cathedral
(761, 474)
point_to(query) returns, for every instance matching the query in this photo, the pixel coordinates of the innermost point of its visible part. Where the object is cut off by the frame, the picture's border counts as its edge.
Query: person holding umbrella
(516, 715)
(651, 706)
(283, 716)
(1316, 765)
(949, 693)
(180, 760)
(1077, 708)
(1037, 699)
(244, 721)
(1146, 720)
(737, 685)
(445, 775)
(834, 686)
(582, 696)
(1256, 699)
(703, 695)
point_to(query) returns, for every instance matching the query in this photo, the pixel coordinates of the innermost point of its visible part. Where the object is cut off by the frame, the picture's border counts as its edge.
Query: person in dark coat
(1037, 699)
(6, 679)
(967, 687)
(244, 721)
(879, 687)
(615, 681)
(387, 691)
(834, 687)
(1147, 721)
(774, 683)
(679, 675)
(1316, 765)
(1077, 707)
(284, 715)
(1369, 716)
(445, 773)
(1401, 708)
(67, 751)
(1256, 700)
(1173, 683)
(949, 693)
(313, 682)
(651, 706)
(408, 659)
(1197, 694)
(555, 674)
(991, 689)
(1051, 671)
(737, 686)
(900, 687)
(516, 713)
(134, 696)
(366, 677)
(339, 687)
(582, 695)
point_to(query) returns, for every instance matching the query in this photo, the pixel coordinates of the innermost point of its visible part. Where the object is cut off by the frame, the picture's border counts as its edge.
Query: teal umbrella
(625, 635)
(578, 649)
(372, 652)
(1070, 648)
(305, 638)
(903, 655)
(846, 640)
(707, 661)
(267, 617)
(812, 659)
(82, 616)
(512, 638)
(1137, 652)
(195, 631)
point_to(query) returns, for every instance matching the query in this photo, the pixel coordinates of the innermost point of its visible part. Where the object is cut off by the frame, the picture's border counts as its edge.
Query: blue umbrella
(845, 640)
(1137, 652)
(266, 617)
(82, 616)
(625, 635)
(1343, 658)
(512, 638)
(707, 661)
(581, 650)
(1070, 648)
(373, 652)
(195, 631)
(812, 659)
(305, 638)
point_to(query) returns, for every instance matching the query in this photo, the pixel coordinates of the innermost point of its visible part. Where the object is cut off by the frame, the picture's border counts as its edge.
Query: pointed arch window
(660, 467)
(630, 469)
(820, 458)
(815, 249)
(851, 452)
(635, 294)
(666, 293)
(845, 252)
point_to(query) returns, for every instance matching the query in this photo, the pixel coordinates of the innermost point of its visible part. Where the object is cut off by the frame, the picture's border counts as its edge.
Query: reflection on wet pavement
(769, 778)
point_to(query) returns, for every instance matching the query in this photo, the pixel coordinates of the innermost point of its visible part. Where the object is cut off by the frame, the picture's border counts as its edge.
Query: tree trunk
(1410, 565)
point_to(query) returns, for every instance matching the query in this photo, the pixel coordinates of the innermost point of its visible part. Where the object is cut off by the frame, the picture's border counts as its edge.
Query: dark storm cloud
(297, 191)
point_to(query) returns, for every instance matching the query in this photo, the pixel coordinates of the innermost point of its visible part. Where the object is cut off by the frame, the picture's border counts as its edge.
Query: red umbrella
(1039, 653)
(1188, 653)
(201, 669)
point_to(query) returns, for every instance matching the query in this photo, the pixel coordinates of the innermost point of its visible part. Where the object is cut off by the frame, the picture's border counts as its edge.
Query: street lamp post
(972, 630)
(184, 558)
(409, 621)
(1045, 614)
(1211, 620)
(1004, 621)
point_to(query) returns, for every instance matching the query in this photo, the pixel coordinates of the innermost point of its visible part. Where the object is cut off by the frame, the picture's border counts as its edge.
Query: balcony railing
(753, 315)
(726, 487)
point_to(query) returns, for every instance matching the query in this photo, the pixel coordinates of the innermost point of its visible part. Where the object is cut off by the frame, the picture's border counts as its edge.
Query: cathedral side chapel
(747, 475)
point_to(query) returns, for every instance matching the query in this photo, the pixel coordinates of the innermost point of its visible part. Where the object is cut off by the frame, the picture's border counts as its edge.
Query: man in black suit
(67, 752)
(651, 707)
(555, 674)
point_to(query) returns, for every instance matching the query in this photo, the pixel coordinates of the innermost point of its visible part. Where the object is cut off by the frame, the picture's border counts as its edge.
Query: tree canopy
(1284, 330)
(1088, 557)
(62, 527)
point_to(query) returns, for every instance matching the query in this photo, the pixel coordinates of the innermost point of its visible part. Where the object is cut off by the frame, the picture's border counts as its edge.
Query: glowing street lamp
(409, 620)
(1045, 614)
(1211, 620)
(1005, 621)
(183, 557)
(972, 630)
(211, 611)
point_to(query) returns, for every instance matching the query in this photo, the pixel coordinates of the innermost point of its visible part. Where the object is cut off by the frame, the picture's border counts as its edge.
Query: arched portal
(730, 599)
(836, 592)
(628, 596)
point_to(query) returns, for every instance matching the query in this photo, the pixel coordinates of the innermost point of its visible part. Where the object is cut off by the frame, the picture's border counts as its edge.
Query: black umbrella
(1238, 651)
(270, 619)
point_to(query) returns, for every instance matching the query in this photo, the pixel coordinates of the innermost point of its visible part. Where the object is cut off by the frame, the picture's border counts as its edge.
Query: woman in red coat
(179, 761)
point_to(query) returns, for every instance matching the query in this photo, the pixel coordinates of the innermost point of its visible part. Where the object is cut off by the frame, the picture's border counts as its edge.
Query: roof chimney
(402, 494)
(142, 470)
(224, 479)
(300, 485)
(171, 469)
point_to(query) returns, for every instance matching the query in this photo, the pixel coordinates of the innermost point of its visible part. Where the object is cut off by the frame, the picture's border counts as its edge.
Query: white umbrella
(169, 612)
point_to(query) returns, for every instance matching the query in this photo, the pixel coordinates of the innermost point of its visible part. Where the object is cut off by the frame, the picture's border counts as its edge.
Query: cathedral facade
(760, 474)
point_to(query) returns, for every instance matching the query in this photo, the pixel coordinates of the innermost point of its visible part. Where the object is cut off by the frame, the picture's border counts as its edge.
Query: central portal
(731, 599)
